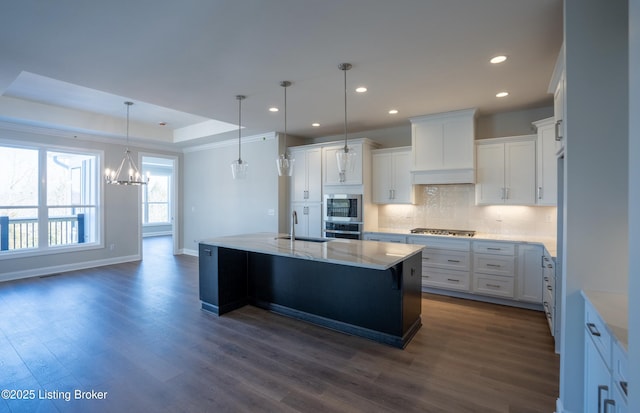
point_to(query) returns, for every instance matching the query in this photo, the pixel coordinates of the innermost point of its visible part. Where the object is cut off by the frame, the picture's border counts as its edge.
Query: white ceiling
(183, 62)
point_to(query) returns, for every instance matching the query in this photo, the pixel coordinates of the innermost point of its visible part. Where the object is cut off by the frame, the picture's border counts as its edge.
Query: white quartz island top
(366, 254)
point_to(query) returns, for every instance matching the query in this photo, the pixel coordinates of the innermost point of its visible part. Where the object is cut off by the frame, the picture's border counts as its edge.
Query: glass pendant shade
(127, 173)
(239, 167)
(284, 163)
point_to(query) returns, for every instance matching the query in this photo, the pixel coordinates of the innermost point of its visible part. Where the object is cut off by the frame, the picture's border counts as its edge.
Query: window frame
(168, 172)
(43, 208)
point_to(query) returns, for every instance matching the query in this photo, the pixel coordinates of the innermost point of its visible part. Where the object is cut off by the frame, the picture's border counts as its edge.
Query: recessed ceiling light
(498, 59)
(361, 89)
(502, 94)
(273, 109)
(393, 111)
(315, 124)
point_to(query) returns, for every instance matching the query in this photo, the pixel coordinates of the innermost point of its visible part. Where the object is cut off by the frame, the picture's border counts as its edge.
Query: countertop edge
(613, 308)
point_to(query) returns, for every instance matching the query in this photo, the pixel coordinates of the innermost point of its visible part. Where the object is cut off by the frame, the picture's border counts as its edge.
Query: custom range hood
(443, 148)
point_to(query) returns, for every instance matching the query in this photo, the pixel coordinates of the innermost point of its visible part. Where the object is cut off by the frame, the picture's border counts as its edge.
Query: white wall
(596, 179)
(634, 205)
(217, 205)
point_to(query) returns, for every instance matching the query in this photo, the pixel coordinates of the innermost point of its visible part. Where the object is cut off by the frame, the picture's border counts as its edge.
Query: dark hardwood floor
(136, 331)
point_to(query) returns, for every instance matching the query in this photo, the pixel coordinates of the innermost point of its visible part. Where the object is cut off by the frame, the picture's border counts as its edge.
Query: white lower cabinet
(385, 237)
(446, 263)
(530, 273)
(605, 370)
(494, 268)
(309, 219)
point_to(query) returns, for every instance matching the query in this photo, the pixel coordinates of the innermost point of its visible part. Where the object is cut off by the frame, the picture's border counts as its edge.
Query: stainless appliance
(343, 208)
(349, 230)
(448, 232)
(343, 216)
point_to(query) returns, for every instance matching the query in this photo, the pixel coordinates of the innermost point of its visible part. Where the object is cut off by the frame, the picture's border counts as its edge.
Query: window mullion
(43, 212)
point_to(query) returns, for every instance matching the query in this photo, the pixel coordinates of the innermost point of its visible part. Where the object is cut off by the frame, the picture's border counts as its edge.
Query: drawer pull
(493, 285)
(624, 385)
(550, 288)
(607, 403)
(453, 260)
(593, 329)
(600, 389)
(546, 279)
(453, 280)
(494, 265)
(494, 249)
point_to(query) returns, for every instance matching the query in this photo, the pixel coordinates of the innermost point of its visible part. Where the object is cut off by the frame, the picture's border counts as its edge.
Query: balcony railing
(23, 232)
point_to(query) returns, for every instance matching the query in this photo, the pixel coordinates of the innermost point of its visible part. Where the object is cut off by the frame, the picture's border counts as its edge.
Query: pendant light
(133, 177)
(346, 156)
(284, 162)
(239, 167)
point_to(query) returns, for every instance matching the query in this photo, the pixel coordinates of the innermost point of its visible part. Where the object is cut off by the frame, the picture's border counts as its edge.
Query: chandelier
(127, 173)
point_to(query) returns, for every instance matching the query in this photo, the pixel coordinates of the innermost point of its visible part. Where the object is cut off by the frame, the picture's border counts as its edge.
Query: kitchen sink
(309, 239)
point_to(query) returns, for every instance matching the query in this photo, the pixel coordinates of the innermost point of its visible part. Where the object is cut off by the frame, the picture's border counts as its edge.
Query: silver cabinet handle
(393, 191)
(453, 280)
(390, 194)
(607, 403)
(593, 329)
(624, 385)
(453, 260)
(600, 389)
(539, 192)
(494, 265)
(493, 285)
(558, 136)
(494, 249)
(501, 193)
(506, 193)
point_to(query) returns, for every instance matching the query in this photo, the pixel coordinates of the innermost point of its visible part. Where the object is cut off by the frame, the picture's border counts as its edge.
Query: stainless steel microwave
(343, 207)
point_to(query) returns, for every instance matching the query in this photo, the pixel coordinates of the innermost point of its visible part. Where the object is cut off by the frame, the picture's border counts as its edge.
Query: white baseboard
(187, 251)
(39, 272)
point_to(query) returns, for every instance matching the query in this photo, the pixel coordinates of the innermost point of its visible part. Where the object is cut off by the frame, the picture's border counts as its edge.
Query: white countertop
(367, 254)
(548, 243)
(614, 310)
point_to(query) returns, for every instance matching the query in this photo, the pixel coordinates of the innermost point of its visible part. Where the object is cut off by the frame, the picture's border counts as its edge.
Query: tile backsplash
(453, 207)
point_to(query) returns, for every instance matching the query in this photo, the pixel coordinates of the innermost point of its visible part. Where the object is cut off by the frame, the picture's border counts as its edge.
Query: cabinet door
(382, 175)
(490, 174)
(547, 166)
(402, 185)
(427, 145)
(597, 379)
(314, 175)
(558, 114)
(314, 220)
(530, 273)
(299, 176)
(519, 171)
(331, 175)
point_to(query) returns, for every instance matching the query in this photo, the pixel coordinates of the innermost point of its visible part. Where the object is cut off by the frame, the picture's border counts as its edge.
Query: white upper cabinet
(392, 176)
(547, 164)
(331, 175)
(443, 148)
(506, 172)
(306, 181)
(557, 87)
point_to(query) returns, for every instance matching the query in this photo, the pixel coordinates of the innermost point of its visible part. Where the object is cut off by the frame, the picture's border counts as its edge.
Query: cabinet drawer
(619, 367)
(498, 248)
(549, 313)
(440, 243)
(493, 285)
(454, 260)
(596, 329)
(494, 264)
(447, 279)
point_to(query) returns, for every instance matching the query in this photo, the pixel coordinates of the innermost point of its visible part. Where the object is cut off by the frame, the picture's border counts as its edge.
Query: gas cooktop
(449, 232)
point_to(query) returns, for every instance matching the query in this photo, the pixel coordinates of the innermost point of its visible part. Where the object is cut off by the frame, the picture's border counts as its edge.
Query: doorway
(158, 199)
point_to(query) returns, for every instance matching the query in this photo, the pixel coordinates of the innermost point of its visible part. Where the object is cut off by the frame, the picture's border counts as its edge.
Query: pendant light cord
(239, 97)
(346, 148)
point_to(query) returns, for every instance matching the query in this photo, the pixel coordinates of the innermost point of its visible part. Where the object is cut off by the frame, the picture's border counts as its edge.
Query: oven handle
(335, 231)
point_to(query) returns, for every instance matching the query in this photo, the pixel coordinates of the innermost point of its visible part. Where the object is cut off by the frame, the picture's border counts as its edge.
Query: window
(60, 212)
(156, 196)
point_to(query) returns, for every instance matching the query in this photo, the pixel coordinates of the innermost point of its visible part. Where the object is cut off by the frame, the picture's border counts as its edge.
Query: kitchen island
(365, 288)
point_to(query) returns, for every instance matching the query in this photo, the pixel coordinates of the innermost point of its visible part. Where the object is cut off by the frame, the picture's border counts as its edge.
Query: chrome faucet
(294, 222)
